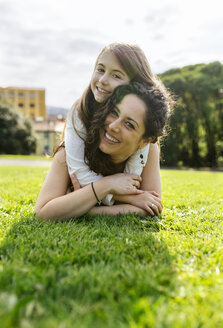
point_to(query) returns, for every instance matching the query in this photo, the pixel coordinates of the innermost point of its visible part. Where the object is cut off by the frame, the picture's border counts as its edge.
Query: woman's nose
(114, 125)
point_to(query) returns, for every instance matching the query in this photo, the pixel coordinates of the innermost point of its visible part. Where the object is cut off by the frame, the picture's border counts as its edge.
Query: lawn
(121, 271)
(26, 157)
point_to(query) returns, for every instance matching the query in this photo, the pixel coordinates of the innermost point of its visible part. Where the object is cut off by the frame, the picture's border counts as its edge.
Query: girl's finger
(75, 182)
(155, 193)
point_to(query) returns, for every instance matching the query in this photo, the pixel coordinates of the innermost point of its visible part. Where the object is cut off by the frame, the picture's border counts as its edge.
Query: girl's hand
(75, 182)
(148, 201)
(124, 184)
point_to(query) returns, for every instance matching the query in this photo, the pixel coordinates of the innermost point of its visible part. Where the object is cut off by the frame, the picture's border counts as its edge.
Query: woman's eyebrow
(118, 110)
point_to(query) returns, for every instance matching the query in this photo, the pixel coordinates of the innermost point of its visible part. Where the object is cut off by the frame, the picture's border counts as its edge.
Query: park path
(24, 162)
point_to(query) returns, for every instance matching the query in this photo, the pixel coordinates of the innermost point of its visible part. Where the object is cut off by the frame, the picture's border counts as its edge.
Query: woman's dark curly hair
(157, 102)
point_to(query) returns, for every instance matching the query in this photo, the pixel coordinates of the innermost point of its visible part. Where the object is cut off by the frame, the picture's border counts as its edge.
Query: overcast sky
(54, 43)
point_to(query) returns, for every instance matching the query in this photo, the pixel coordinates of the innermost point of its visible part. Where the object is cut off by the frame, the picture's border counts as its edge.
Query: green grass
(29, 157)
(119, 271)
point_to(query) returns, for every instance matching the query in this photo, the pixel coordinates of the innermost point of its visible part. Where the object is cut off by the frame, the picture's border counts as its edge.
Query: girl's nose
(103, 79)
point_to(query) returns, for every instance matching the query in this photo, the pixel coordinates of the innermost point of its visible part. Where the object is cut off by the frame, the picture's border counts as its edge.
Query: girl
(117, 64)
(132, 117)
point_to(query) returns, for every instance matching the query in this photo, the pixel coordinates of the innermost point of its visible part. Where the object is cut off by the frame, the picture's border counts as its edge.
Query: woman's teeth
(110, 138)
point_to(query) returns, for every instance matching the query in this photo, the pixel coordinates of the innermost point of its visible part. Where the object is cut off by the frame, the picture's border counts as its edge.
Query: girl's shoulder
(73, 119)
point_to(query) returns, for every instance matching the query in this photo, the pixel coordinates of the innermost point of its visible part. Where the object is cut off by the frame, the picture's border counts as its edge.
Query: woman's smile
(123, 129)
(110, 138)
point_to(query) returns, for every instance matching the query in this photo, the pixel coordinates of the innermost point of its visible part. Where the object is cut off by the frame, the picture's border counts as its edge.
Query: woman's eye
(130, 125)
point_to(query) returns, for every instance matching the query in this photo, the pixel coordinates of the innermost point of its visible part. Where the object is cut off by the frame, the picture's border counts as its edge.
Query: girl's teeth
(110, 138)
(99, 89)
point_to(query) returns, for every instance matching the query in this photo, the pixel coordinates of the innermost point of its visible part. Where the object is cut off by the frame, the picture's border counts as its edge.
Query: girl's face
(108, 74)
(124, 128)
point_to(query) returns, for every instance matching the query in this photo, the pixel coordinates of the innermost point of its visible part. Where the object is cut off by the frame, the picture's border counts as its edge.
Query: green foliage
(121, 271)
(16, 133)
(198, 118)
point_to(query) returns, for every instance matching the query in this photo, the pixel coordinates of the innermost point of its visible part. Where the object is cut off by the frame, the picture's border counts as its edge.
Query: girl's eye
(130, 125)
(116, 76)
(101, 70)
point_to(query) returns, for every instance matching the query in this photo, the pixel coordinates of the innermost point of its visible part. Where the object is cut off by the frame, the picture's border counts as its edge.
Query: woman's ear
(145, 141)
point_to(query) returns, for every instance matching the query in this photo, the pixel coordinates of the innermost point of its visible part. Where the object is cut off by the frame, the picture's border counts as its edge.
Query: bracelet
(99, 201)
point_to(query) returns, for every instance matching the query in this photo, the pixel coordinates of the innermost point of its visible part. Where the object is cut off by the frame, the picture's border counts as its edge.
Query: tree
(16, 132)
(197, 122)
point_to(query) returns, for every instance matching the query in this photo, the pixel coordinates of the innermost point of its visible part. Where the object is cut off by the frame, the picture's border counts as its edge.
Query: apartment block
(30, 101)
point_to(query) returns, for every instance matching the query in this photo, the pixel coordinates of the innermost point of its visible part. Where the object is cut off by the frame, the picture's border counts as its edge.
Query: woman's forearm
(117, 209)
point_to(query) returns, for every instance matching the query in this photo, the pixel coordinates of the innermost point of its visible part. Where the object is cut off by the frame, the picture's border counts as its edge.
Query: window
(46, 134)
(21, 95)
(1, 94)
(32, 95)
(32, 105)
(46, 150)
(10, 94)
(21, 105)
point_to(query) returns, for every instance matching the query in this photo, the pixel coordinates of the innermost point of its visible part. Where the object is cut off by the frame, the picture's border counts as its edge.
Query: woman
(132, 117)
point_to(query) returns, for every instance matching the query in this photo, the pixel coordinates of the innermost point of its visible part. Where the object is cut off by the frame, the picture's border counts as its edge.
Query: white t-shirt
(74, 147)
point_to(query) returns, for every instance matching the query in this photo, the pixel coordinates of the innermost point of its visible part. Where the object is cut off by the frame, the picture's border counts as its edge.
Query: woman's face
(122, 133)
(108, 74)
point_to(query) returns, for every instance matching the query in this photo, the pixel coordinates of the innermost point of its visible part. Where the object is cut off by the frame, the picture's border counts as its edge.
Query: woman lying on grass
(132, 117)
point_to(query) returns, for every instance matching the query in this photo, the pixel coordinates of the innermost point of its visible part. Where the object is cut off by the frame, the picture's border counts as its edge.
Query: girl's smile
(108, 74)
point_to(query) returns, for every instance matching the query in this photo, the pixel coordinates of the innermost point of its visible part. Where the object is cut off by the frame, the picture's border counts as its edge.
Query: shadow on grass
(94, 271)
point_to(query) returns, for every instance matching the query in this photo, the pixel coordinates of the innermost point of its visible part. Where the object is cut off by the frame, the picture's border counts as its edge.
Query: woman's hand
(123, 184)
(148, 201)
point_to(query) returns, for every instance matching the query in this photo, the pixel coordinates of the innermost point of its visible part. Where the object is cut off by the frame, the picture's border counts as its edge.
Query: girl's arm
(53, 202)
(150, 200)
(151, 173)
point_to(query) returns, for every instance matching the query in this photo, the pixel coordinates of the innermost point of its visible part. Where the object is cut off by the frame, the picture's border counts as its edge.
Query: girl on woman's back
(116, 65)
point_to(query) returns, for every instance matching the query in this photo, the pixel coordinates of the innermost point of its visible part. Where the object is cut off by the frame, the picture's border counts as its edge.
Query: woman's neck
(119, 167)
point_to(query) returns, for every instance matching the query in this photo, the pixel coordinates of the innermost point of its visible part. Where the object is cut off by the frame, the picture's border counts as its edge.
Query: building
(48, 133)
(31, 101)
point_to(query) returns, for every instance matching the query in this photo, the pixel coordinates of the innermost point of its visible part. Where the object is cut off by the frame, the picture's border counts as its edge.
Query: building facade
(48, 133)
(30, 101)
